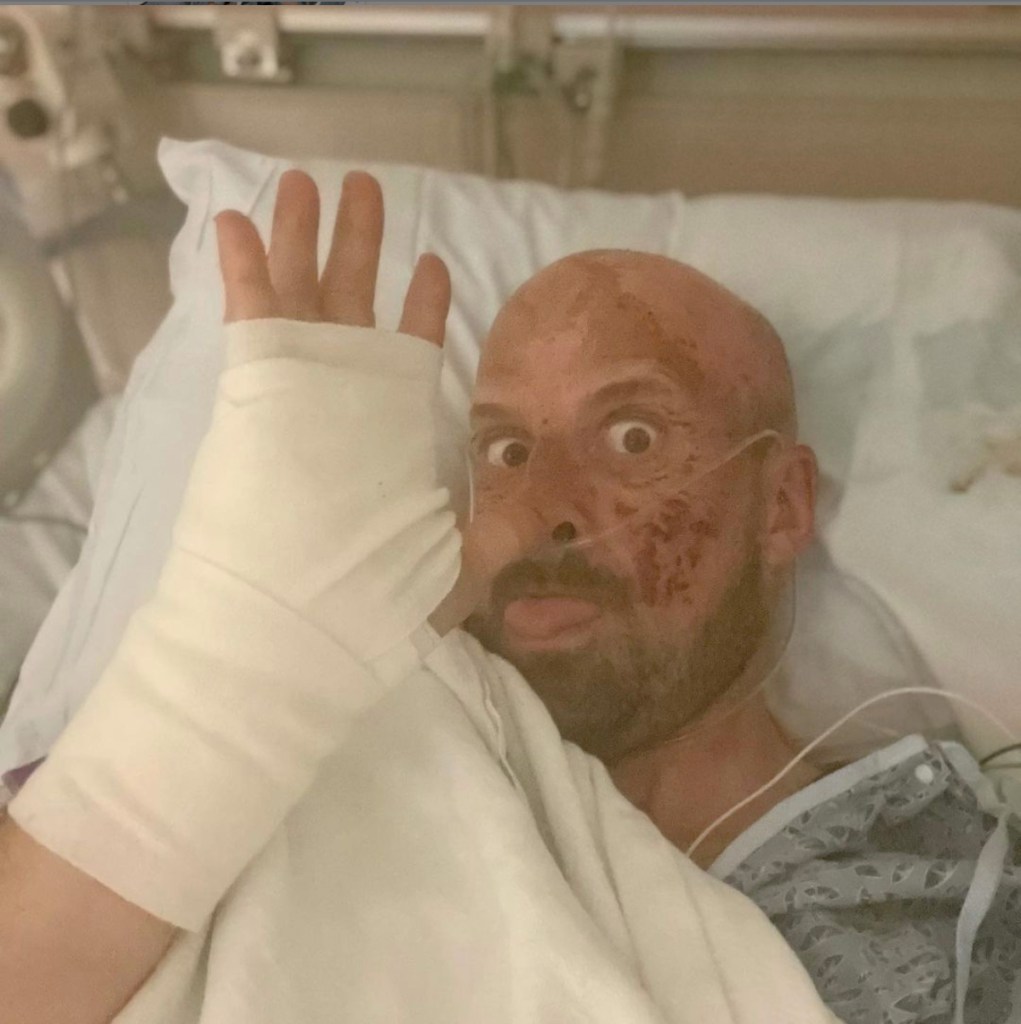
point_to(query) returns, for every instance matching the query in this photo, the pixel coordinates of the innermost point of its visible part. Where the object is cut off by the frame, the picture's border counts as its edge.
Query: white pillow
(869, 296)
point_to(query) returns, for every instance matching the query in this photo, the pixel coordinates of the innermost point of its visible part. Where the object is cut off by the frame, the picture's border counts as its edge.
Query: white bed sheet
(37, 554)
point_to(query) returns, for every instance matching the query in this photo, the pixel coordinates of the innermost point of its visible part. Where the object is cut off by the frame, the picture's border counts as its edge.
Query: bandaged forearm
(312, 543)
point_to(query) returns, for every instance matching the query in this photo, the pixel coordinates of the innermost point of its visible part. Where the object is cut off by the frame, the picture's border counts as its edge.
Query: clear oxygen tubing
(760, 671)
(842, 721)
(764, 667)
(768, 659)
(719, 463)
(587, 541)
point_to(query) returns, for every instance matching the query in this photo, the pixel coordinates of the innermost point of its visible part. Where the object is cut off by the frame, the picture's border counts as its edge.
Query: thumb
(491, 542)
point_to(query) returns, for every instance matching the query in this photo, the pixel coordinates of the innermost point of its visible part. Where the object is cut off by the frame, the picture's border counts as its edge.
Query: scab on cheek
(670, 547)
(705, 528)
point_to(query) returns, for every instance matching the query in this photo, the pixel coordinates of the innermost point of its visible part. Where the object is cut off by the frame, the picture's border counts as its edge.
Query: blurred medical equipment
(62, 103)
(88, 243)
(46, 381)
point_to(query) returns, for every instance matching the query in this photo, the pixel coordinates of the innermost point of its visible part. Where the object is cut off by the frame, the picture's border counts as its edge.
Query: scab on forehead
(617, 322)
(614, 305)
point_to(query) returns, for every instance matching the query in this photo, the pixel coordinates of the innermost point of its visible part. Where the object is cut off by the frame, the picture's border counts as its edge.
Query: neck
(686, 784)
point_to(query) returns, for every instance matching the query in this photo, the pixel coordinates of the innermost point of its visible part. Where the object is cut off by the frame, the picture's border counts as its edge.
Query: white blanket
(457, 862)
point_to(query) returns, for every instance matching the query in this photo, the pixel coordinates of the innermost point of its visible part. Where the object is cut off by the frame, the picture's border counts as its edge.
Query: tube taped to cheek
(312, 544)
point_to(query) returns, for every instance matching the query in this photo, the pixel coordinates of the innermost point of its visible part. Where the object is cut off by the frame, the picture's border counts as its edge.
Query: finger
(348, 286)
(428, 300)
(248, 292)
(293, 261)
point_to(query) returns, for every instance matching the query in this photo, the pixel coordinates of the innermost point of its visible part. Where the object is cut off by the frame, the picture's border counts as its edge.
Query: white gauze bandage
(312, 544)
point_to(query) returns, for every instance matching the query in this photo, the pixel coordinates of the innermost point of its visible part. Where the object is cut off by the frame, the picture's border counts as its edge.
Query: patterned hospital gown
(867, 874)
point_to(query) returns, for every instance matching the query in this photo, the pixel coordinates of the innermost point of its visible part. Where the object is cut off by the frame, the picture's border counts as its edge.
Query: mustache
(570, 575)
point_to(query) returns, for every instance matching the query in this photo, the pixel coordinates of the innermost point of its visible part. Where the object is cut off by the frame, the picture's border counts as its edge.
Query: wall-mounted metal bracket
(249, 42)
(576, 78)
(587, 73)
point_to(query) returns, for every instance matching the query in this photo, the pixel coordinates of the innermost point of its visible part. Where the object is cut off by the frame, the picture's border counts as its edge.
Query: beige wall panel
(842, 147)
(953, 148)
(316, 122)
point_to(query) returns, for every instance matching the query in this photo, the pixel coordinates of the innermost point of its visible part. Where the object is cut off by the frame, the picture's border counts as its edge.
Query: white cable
(798, 758)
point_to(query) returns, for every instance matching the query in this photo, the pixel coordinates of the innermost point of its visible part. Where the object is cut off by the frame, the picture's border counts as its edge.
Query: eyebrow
(630, 387)
(490, 411)
(618, 390)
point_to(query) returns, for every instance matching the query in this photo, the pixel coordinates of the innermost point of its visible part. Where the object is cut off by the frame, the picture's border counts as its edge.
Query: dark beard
(637, 694)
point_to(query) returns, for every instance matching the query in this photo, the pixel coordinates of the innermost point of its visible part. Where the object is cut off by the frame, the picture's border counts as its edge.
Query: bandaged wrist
(311, 546)
(317, 481)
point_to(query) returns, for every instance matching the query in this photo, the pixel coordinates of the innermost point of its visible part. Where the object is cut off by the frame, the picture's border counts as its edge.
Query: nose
(565, 532)
(558, 488)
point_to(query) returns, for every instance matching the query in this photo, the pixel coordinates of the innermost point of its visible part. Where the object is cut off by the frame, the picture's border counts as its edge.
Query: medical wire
(823, 736)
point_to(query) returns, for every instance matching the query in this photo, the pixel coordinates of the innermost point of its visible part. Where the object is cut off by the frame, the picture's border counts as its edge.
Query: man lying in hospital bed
(619, 541)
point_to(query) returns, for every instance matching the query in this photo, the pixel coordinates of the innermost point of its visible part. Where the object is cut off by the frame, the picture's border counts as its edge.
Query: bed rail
(979, 29)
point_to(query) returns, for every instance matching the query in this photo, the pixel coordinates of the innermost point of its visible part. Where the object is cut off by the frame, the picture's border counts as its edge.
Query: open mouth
(550, 620)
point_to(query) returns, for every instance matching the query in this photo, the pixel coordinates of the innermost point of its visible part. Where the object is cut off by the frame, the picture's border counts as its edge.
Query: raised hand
(310, 541)
(285, 283)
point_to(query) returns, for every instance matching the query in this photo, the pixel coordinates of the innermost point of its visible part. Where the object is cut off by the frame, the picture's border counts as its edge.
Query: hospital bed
(892, 270)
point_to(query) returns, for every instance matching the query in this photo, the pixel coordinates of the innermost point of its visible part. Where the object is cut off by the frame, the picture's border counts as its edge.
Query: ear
(790, 505)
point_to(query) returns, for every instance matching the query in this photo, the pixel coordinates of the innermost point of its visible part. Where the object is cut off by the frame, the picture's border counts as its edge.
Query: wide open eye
(631, 437)
(507, 452)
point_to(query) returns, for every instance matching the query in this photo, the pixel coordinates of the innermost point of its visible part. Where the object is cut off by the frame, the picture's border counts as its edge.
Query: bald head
(652, 307)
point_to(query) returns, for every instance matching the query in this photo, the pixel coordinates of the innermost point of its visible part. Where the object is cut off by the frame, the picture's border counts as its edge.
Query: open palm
(285, 281)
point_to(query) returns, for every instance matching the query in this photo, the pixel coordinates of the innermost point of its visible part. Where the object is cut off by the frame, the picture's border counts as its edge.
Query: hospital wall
(927, 122)
(937, 116)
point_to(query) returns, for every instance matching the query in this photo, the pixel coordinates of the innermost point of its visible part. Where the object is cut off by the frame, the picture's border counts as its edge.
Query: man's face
(601, 409)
